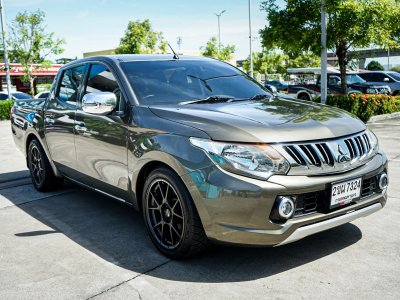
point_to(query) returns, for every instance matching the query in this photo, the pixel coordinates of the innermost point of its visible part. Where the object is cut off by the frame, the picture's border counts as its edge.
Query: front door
(101, 140)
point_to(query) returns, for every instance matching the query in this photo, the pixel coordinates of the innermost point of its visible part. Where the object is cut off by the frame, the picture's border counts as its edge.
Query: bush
(5, 107)
(365, 106)
(375, 66)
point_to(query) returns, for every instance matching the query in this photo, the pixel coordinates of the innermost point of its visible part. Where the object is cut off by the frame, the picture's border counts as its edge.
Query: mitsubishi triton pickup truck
(204, 152)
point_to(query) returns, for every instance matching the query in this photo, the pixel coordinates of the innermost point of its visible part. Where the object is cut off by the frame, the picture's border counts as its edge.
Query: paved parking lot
(77, 244)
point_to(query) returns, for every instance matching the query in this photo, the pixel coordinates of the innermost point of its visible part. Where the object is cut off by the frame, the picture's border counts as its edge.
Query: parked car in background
(42, 95)
(281, 86)
(202, 150)
(271, 88)
(15, 96)
(355, 84)
(390, 78)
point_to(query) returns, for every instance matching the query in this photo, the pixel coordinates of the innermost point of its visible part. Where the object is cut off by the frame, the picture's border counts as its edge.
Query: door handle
(49, 120)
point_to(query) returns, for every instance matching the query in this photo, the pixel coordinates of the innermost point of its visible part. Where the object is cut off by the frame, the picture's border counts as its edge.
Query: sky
(91, 25)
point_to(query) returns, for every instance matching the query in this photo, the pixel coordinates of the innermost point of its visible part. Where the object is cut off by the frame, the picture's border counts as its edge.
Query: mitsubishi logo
(343, 156)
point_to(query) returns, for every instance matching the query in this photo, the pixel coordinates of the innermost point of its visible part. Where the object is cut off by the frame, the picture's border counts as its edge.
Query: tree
(275, 62)
(375, 66)
(30, 44)
(296, 26)
(139, 38)
(211, 50)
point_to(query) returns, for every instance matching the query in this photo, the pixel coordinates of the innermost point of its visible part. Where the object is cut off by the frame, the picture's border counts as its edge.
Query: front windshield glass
(354, 78)
(176, 81)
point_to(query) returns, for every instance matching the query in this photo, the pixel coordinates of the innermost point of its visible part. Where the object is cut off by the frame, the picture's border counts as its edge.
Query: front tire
(171, 217)
(42, 174)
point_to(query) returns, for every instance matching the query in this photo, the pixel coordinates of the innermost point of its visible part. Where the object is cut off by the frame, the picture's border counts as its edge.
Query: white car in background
(42, 95)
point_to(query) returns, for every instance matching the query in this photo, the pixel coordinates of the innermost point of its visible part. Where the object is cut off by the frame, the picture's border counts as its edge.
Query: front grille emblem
(343, 156)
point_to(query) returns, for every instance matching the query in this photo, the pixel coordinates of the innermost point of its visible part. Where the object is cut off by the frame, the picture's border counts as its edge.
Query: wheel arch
(34, 135)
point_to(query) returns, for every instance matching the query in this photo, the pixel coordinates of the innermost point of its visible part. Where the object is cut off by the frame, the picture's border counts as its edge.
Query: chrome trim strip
(304, 231)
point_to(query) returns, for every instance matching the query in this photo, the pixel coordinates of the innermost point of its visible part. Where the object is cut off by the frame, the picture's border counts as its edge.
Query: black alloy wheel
(42, 174)
(165, 214)
(171, 217)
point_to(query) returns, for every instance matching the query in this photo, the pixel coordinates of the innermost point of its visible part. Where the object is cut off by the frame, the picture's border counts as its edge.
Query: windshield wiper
(211, 99)
(261, 97)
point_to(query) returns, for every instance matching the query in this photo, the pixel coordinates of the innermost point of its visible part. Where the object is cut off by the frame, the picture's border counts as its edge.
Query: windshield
(21, 96)
(354, 78)
(176, 81)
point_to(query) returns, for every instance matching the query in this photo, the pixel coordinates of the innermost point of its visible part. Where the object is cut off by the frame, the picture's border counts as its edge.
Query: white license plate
(345, 192)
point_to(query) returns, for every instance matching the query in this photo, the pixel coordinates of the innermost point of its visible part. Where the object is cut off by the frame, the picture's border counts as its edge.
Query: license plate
(345, 192)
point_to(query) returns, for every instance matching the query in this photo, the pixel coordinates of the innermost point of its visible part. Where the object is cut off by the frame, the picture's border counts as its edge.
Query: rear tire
(42, 174)
(171, 218)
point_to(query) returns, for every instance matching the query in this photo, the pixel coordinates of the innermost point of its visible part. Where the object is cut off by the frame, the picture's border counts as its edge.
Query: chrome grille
(330, 156)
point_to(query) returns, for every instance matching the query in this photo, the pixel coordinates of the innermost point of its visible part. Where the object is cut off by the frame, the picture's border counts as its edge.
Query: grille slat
(339, 154)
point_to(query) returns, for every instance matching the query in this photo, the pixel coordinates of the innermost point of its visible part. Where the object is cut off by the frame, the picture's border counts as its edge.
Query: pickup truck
(202, 150)
(355, 84)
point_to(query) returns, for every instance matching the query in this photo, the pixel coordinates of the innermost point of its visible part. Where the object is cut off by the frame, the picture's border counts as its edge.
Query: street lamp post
(219, 30)
(324, 77)
(6, 63)
(250, 40)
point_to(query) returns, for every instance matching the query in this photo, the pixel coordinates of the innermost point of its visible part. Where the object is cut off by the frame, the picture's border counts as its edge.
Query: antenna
(175, 55)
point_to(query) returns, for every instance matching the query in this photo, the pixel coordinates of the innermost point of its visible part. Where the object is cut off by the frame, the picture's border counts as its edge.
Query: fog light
(286, 207)
(383, 181)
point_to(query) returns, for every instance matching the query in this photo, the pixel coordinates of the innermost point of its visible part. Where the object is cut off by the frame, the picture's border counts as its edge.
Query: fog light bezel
(383, 181)
(277, 214)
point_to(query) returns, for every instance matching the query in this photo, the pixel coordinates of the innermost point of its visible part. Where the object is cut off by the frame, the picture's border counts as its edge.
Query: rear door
(101, 140)
(60, 119)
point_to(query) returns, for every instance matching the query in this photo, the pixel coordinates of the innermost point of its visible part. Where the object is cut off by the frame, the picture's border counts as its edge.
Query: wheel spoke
(170, 232)
(176, 215)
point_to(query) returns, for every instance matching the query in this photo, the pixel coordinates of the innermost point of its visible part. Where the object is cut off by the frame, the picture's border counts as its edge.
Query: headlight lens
(260, 161)
(373, 140)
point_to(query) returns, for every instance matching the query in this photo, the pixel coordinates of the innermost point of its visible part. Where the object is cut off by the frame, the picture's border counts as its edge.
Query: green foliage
(375, 66)
(364, 106)
(397, 69)
(140, 38)
(5, 108)
(30, 44)
(274, 62)
(211, 50)
(296, 26)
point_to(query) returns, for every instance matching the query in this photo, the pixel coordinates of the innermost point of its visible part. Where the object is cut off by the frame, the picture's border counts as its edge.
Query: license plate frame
(346, 196)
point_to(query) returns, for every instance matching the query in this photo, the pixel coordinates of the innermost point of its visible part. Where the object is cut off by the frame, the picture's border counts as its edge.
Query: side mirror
(100, 103)
(386, 79)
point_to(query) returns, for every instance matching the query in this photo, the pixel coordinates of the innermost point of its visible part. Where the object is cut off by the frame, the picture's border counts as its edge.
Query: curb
(380, 118)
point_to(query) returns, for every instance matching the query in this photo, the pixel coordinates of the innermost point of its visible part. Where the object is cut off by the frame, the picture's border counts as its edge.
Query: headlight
(373, 140)
(260, 161)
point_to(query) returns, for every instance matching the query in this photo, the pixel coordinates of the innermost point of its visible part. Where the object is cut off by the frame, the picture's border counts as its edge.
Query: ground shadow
(116, 233)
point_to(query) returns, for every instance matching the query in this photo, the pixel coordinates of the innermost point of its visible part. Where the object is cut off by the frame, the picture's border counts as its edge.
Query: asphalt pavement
(77, 244)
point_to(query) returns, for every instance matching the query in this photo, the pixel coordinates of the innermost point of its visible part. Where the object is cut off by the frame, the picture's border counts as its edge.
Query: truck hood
(270, 121)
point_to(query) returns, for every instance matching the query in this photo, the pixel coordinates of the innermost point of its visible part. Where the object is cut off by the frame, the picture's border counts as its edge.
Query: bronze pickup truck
(202, 150)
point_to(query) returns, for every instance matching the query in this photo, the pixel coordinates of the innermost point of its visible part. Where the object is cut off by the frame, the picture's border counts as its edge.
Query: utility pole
(324, 77)
(179, 42)
(388, 66)
(250, 40)
(6, 64)
(219, 29)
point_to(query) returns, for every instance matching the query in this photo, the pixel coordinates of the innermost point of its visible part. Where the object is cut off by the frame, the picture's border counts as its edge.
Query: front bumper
(235, 209)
